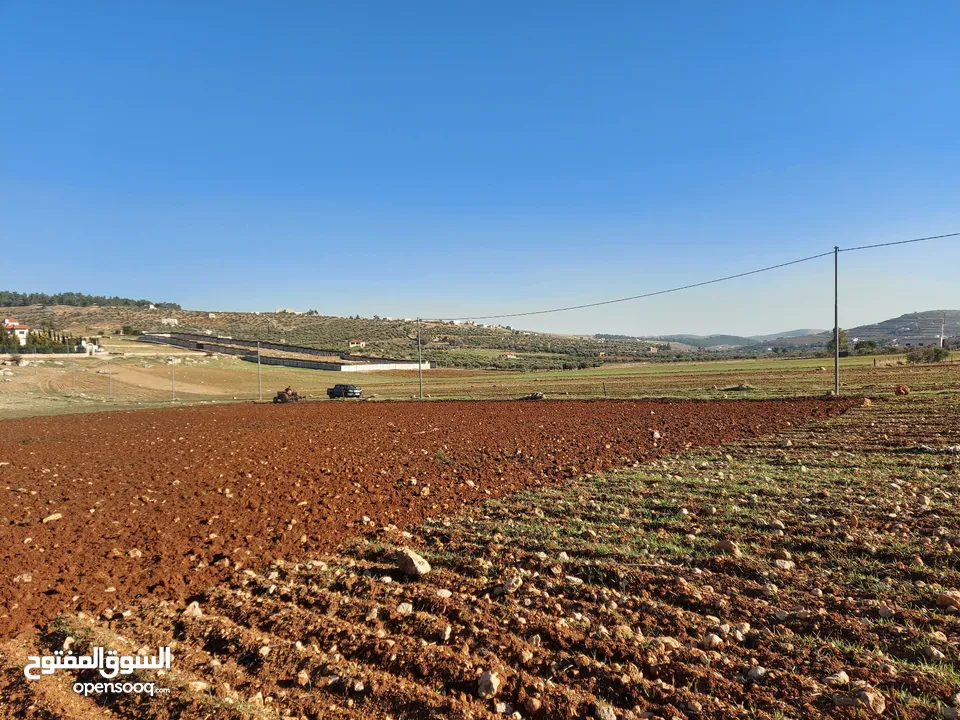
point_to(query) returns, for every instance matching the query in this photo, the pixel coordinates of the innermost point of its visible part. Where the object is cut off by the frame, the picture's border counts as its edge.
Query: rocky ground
(812, 574)
(100, 510)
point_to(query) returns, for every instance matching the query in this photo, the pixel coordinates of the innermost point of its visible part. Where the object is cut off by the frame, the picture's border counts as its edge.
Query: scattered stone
(405, 608)
(410, 563)
(51, 518)
(838, 679)
(198, 686)
(872, 701)
(513, 583)
(532, 705)
(602, 711)
(933, 654)
(729, 547)
(885, 612)
(488, 685)
(949, 599)
(785, 565)
(193, 610)
(303, 679)
(444, 593)
(756, 674)
(711, 641)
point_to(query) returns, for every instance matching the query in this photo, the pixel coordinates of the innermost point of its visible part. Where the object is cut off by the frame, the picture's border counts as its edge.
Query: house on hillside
(357, 344)
(169, 322)
(508, 356)
(21, 331)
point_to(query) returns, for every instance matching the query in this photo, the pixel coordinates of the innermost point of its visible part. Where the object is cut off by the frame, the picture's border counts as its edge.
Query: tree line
(45, 341)
(10, 298)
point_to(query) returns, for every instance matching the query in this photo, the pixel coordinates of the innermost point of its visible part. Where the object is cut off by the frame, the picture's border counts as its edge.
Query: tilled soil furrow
(160, 500)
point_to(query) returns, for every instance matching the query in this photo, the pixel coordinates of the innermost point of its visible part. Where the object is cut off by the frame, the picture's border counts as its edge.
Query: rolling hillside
(456, 345)
(911, 326)
(447, 344)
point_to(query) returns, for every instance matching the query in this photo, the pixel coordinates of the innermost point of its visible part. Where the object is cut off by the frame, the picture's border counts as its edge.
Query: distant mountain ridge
(925, 324)
(708, 341)
(86, 315)
(788, 334)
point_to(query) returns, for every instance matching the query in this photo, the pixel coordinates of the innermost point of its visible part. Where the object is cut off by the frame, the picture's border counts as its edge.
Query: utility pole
(259, 379)
(110, 385)
(943, 325)
(173, 381)
(420, 358)
(74, 375)
(836, 320)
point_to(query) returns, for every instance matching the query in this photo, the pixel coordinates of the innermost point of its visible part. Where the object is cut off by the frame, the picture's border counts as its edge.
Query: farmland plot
(803, 575)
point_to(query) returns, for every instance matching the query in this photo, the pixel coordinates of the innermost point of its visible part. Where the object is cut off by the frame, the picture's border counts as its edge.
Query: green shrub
(928, 354)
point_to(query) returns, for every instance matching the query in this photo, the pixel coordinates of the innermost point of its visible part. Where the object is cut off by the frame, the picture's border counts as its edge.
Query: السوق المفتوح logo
(108, 662)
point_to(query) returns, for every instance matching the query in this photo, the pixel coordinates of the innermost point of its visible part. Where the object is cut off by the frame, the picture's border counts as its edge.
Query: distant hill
(449, 344)
(787, 334)
(910, 328)
(709, 341)
(917, 325)
(11, 298)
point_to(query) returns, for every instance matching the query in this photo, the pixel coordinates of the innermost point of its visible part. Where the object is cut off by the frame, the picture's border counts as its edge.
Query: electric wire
(693, 285)
(900, 242)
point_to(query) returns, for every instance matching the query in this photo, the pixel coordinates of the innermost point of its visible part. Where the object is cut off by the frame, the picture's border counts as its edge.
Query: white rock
(488, 685)
(410, 563)
(604, 712)
(711, 641)
(512, 584)
(838, 679)
(193, 610)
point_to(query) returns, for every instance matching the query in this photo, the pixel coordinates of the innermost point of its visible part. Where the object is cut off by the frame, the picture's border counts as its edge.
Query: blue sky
(449, 159)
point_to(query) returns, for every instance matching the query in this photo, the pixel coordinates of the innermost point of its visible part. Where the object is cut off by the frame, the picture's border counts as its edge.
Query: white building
(21, 331)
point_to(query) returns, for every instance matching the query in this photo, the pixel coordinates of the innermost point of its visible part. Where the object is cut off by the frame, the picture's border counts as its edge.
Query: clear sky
(442, 159)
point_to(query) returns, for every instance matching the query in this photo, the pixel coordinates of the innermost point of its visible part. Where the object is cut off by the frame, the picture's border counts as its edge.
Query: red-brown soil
(168, 502)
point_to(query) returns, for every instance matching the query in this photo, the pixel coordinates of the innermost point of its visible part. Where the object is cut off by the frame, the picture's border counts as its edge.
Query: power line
(900, 242)
(693, 285)
(644, 295)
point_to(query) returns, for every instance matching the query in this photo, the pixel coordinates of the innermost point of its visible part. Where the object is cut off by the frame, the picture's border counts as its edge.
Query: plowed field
(100, 510)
